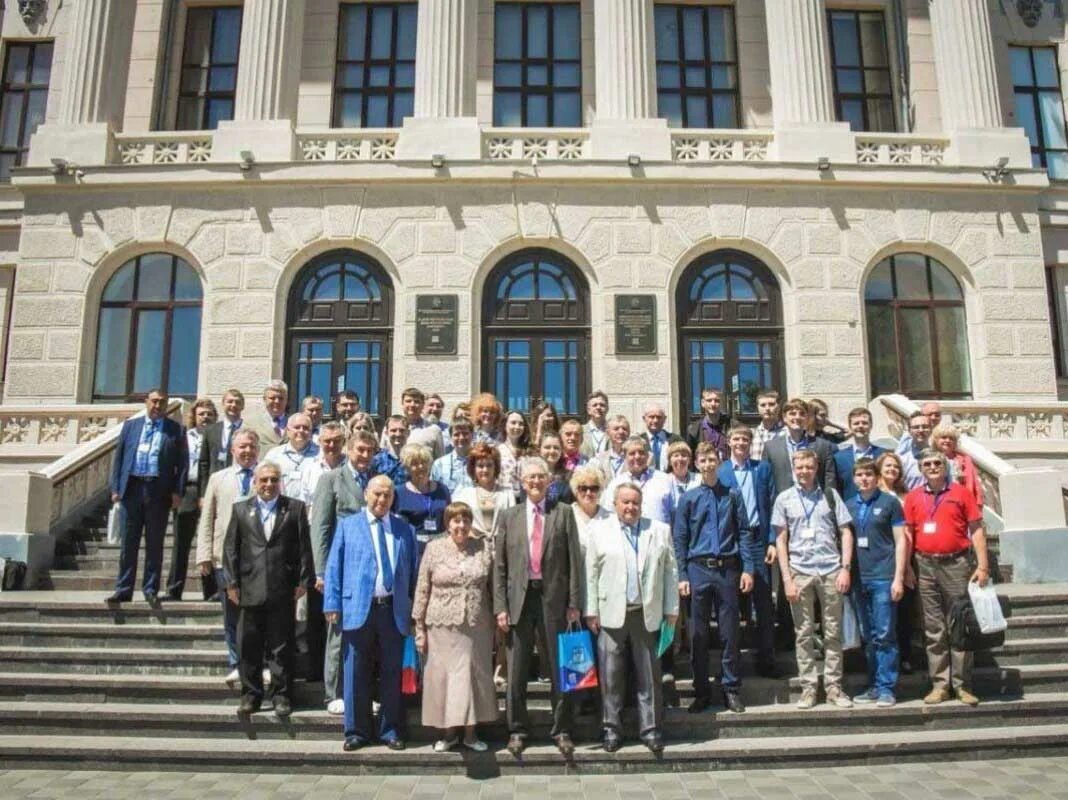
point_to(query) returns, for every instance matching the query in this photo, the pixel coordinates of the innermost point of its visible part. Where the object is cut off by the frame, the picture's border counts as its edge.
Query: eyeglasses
(269, 479)
(587, 488)
(930, 464)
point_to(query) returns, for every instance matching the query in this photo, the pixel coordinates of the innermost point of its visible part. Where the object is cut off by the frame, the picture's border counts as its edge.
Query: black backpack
(964, 633)
(14, 575)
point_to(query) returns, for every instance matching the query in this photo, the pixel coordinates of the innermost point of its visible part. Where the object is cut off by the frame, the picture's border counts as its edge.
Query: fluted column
(623, 42)
(446, 44)
(268, 74)
(800, 62)
(964, 63)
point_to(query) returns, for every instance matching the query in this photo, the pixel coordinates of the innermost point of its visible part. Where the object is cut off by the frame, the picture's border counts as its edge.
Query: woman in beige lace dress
(454, 631)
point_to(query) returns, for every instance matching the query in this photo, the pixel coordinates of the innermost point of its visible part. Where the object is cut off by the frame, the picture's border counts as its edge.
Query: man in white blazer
(226, 487)
(630, 551)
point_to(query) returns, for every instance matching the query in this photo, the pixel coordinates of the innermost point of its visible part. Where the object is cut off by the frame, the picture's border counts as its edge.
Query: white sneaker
(266, 677)
(808, 699)
(336, 707)
(233, 678)
(836, 697)
(444, 745)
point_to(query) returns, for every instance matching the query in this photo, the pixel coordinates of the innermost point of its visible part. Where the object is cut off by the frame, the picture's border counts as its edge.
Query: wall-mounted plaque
(636, 324)
(435, 325)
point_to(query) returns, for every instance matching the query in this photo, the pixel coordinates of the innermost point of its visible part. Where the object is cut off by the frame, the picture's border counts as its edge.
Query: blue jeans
(229, 618)
(878, 625)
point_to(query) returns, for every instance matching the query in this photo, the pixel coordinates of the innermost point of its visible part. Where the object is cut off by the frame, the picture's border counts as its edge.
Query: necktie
(656, 451)
(536, 536)
(246, 480)
(387, 565)
(230, 437)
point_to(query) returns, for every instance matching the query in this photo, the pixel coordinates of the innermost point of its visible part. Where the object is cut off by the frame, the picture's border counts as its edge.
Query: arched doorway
(536, 332)
(730, 332)
(340, 330)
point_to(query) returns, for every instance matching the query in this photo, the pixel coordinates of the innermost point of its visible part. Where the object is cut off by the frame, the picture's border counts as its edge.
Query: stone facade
(629, 230)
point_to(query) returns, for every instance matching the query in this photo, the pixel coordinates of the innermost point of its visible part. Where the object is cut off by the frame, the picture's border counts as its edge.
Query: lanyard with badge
(807, 532)
(430, 523)
(930, 527)
(864, 512)
(746, 477)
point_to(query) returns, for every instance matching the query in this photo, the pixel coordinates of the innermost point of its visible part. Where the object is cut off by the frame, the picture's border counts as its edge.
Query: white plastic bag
(302, 608)
(987, 608)
(116, 523)
(850, 624)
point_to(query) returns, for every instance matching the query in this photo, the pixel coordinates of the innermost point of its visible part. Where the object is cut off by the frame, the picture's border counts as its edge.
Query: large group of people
(478, 540)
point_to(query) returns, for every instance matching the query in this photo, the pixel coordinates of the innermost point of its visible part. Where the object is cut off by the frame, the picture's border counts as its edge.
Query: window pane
(508, 75)
(1057, 164)
(381, 31)
(120, 287)
(667, 76)
(846, 46)
(537, 111)
(148, 361)
(951, 335)
(1045, 67)
(873, 40)
(508, 31)
(222, 79)
(406, 31)
(1052, 119)
(849, 81)
(723, 77)
(695, 77)
(186, 283)
(667, 33)
(378, 111)
(853, 113)
(507, 110)
(1021, 66)
(566, 32)
(197, 50)
(185, 352)
(882, 349)
(348, 111)
(877, 81)
(724, 111)
(112, 349)
(378, 76)
(218, 111)
(880, 115)
(567, 110)
(353, 31)
(696, 112)
(568, 75)
(537, 31)
(693, 33)
(10, 119)
(1025, 116)
(154, 277)
(721, 33)
(538, 75)
(917, 350)
(403, 106)
(669, 106)
(879, 285)
(18, 62)
(404, 76)
(910, 269)
(943, 285)
(226, 37)
(42, 64)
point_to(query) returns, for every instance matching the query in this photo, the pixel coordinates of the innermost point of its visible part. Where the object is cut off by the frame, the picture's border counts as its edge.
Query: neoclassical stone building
(839, 199)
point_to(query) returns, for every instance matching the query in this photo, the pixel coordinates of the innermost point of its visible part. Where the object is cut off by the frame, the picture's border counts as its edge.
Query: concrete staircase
(87, 686)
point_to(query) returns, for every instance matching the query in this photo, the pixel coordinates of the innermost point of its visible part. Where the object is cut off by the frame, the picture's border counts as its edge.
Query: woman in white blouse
(485, 498)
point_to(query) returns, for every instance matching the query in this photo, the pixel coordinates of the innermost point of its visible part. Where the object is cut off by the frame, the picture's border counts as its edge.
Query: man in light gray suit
(537, 575)
(338, 494)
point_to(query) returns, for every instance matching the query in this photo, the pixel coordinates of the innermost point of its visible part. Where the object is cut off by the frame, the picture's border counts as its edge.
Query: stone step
(281, 755)
(1039, 626)
(109, 660)
(104, 581)
(1026, 651)
(219, 721)
(89, 607)
(1034, 599)
(108, 561)
(104, 634)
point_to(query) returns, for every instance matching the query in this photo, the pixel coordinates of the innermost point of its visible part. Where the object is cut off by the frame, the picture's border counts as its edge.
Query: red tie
(535, 545)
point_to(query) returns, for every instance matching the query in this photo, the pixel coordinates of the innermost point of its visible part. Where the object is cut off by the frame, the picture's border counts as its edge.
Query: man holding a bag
(945, 524)
(635, 554)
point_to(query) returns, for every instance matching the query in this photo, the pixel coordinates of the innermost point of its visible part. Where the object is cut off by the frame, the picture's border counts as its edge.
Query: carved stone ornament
(30, 10)
(1031, 11)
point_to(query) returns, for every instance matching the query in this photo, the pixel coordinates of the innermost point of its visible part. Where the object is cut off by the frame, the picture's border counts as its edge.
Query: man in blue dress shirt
(849, 453)
(451, 468)
(713, 548)
(754, 482)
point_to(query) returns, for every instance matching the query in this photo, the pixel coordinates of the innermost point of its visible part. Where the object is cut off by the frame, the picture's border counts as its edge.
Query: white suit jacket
(606, 572)
(219, 498)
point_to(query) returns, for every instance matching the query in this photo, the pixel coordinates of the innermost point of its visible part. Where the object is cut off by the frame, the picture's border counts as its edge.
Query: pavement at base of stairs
(1020, 779)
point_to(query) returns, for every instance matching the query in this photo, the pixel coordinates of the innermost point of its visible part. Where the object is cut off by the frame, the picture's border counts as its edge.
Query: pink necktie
(535, 545)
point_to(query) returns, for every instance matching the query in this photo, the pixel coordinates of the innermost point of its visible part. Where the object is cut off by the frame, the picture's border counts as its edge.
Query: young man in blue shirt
(882, 554)
(849, 453)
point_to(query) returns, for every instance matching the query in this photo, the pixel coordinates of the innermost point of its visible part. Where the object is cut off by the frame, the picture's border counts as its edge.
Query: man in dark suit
(779, 451)
(370, 582)
(148, 476)
(848, 453)
(654, 417)
(754, 483)
(215, 451)
(713, 426)
(268, 561)
(536, 582)
(339, 494)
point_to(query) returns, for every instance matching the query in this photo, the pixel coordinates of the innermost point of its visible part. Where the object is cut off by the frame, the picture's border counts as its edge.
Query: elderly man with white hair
(632, 587)
(657, 495)
(537, 579)
(295, 455)
(654, 416)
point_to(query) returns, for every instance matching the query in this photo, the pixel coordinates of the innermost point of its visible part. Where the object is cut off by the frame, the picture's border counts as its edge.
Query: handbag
(116, 523)
(410, 667)
(964, 631)
(577, 667)
(851, 639)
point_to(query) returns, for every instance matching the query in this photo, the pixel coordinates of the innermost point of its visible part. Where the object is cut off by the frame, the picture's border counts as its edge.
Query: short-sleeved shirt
(939, 523)
(799, 511)
(874, 521)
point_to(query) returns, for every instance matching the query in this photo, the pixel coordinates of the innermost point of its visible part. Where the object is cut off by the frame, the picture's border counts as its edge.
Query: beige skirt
(458, 676)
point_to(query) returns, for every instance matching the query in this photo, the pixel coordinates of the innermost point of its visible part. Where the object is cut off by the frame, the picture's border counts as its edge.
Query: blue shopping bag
(576, 661)
(410, 667)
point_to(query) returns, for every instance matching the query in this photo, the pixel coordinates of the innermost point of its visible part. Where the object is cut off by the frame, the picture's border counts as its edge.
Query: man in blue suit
(754, 481)
(368, 588)
(848, 453)
(148, 478)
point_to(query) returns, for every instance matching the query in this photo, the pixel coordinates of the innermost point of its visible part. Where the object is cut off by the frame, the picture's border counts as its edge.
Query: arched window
(340, 329)
(149, 330)
(535, 322)
(917, 334)
(730, 331)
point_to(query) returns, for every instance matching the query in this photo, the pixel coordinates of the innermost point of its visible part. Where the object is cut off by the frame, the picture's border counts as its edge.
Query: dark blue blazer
(352, 568)
(173, 457)
(764, 486)
(843, 463)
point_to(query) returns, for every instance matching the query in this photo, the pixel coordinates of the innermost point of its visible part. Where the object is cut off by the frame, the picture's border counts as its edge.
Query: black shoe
(516, 745)
(733, 702)
(395, 744)
(118, 597)
(564, 745)
(907, 668)
(353, 743)
(653, 742)
(768, 670)
(282, 707)
(612, 742)
(698, 705)
(152, 599)
(249, 705)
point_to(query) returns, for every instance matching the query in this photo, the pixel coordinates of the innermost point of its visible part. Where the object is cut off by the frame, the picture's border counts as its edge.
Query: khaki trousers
(940, 582)
(804, 614)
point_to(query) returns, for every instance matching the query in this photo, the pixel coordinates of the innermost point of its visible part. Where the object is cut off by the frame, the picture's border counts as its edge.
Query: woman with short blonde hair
(420, 500)
(946, 437)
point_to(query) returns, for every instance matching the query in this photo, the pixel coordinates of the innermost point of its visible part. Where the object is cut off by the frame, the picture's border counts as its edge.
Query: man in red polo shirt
(945, 525)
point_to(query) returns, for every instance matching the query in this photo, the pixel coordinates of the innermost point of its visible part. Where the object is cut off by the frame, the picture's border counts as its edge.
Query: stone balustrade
(347, 144)
(900, 149)
(721, 145)
(168, 147)
(536, 144)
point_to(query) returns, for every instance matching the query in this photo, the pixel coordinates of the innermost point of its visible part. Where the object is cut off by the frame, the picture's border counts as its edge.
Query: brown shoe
(937, 695)
(967, 697)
